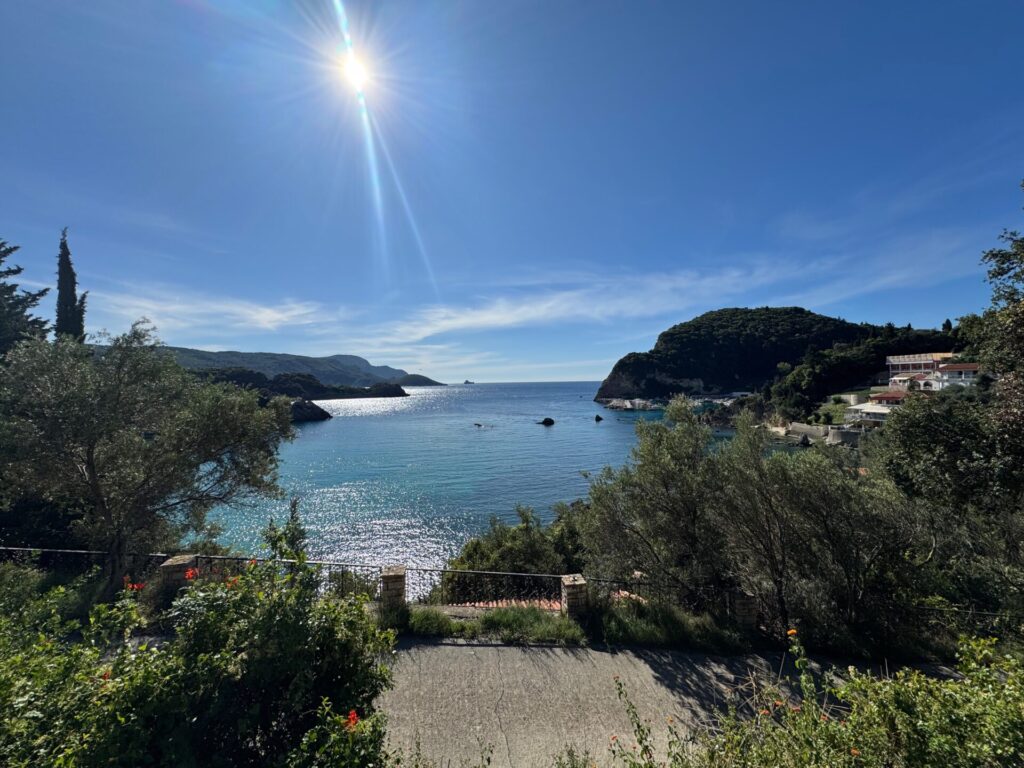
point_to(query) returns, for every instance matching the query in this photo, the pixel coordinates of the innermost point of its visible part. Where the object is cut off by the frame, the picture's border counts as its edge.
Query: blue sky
(558, 182)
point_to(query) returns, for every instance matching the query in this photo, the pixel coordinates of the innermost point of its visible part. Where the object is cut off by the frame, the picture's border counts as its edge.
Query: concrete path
(530, 703)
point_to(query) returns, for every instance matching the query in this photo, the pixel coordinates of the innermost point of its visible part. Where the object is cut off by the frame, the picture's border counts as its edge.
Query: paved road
(529, 703)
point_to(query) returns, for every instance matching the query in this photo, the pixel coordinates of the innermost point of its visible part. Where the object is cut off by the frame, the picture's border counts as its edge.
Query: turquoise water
(409, 480)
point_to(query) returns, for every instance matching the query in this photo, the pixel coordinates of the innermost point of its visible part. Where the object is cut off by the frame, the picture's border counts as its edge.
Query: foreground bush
(910, 719)
(632, 622)
(262, 671)
(515, 624)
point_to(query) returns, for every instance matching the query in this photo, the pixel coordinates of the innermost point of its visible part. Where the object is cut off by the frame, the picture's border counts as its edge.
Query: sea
(410, 479)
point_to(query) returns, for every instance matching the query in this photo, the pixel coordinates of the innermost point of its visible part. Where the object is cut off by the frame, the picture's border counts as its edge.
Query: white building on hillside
(868, 414)
(925, 362)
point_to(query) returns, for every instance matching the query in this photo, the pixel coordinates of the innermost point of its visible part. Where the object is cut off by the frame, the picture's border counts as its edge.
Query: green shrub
(910, 720)
(430, 622)
(632, 622)
(262, 670)
(531, 625)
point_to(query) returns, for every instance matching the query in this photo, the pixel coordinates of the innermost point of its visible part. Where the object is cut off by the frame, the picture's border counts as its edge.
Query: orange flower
(777, 703)
(795, 709)
(106, 674)
(764, 712)
(824, 718)
(614, 738)
(232, 582)
(854, 751)
(353, 719)
(191, 573)
(791, 633)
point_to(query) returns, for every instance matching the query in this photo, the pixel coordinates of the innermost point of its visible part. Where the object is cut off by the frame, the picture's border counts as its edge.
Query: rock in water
(805, 441)
(547, 422)
(307, 410)
(598, 417)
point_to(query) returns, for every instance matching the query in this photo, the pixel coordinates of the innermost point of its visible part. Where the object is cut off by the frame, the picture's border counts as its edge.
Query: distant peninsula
(339, 370)
(744, 350)
(416, 380)
(302, 386)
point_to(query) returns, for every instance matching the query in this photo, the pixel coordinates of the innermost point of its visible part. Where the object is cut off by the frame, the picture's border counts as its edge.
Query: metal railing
(335, 577)
(483, 589)
(73, 562)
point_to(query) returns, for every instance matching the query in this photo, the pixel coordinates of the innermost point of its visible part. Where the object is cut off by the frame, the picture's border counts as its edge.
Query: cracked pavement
(528, 703)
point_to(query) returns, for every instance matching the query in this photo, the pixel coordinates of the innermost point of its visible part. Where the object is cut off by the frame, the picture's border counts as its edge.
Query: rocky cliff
(724, 351)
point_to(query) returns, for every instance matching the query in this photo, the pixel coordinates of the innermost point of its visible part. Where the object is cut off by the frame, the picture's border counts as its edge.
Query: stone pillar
(172, 571)
(574, 596)
(744, 610)
(392, 587)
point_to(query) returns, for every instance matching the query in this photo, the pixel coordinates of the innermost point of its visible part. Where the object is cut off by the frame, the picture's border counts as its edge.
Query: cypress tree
(15, 321)
(70, 306)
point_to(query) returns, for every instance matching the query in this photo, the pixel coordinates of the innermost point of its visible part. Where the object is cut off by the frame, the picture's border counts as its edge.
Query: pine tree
(947, 326)
(70, 306)
(15, 305)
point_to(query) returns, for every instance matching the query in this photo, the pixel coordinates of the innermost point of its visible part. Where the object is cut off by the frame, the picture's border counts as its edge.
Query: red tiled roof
(959, 367)
(894, 395)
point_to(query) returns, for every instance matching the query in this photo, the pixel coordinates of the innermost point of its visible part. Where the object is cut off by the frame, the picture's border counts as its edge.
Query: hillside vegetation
(300, 385)
(726, 350)
(792, 356)
(341, 370)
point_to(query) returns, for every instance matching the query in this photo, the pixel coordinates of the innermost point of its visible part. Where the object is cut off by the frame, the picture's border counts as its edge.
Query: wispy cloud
(602, 299)
(175, 310)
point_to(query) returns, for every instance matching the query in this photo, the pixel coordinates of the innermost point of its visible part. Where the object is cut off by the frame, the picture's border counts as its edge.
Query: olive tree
(132, 439)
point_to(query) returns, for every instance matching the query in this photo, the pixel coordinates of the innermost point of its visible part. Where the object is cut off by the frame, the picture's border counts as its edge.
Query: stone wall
(811, 430)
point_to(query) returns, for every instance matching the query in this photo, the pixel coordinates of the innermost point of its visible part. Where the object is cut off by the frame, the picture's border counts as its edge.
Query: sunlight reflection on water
(409, 480)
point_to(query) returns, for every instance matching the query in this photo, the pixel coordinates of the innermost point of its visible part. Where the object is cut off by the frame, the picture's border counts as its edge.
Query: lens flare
(358, 77)
(356, 73)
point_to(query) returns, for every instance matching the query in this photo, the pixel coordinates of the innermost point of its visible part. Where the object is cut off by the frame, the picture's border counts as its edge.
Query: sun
(356, 73)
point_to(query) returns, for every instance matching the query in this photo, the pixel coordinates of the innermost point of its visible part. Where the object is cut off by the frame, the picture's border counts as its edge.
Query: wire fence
(76, 562)
(470, 588)
(483, 589)
(335, 577)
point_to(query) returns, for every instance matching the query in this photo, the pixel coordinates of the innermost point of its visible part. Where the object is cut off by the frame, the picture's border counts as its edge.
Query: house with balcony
(957, 374)
(868, 414)
(924, 362)
(892, 397)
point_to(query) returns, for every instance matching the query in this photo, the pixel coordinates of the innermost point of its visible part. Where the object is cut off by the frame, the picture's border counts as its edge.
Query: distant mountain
(340, 370)
(299, 385)
(416, 380)
(725, 351)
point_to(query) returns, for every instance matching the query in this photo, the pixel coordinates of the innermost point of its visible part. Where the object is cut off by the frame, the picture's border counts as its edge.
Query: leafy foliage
(910, 719)
(528, 547)
(16, 321)
(131, 439)
(262, 671)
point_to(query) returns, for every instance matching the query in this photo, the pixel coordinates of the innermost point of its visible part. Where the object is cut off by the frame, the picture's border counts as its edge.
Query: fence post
(744, 609)
(392, 587)
(574, 595)
(172, 570)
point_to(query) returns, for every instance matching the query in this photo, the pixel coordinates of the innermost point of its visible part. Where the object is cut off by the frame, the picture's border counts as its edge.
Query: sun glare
(355, 73)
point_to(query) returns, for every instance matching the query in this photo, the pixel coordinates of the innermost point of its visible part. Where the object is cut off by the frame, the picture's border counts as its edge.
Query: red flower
(191, 573)
(106, 674)
(232, 582)
(252, 562)
(353, 719)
